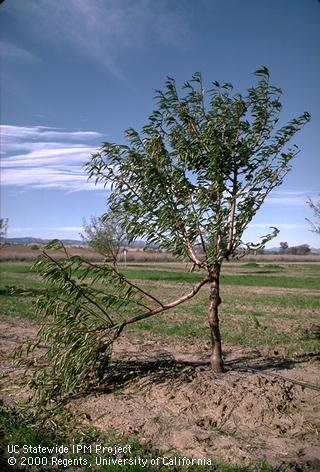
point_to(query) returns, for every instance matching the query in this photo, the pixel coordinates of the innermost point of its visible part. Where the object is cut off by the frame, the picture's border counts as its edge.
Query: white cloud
(30, 160)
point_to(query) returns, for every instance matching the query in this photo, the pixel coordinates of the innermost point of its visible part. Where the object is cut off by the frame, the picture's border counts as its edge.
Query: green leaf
(263, 71)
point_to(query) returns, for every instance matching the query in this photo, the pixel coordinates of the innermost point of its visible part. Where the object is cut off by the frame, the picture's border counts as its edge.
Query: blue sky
(76, 73)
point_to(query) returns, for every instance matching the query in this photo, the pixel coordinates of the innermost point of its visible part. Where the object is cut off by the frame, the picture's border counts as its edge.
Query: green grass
(264, 300)
(251, 265)
(272, 281)
(21, 282)
(253, 319)
(16, 268)
(17, 306)
(163, 275)
(250, 318)
(251, 280)
(18, 294)
(257, 278)
(249, 328)
(247, 280)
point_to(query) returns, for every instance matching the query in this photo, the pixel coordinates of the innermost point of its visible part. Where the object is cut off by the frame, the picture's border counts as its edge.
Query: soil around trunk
(164, 391)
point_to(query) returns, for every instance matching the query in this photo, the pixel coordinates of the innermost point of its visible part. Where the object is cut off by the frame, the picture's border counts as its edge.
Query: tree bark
(213, 318)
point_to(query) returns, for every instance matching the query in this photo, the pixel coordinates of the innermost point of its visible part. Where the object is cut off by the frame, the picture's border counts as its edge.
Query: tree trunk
(213, 318)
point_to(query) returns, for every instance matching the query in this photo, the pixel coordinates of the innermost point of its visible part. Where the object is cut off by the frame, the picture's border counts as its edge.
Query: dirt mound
(241, 417)
(166, 393)
(236, 400)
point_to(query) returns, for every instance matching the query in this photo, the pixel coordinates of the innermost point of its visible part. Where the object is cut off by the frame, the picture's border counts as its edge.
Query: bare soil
(18, 250)
(164, 391)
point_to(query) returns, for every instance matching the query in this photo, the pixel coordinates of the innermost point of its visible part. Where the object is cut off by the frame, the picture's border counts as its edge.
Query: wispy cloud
(105, 29)
(283, 197)
(35, 229)
(12, 52)
(287, 226)
(13, 133)
(41, 157)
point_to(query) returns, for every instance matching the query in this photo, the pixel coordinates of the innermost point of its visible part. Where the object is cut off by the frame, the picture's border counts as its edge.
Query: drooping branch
(76, 287)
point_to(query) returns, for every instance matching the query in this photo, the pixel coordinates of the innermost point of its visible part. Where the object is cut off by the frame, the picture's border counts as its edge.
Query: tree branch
(165, 307)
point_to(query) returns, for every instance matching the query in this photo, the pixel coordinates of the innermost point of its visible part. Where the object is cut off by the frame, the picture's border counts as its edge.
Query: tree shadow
(262, 363)
(164, 368)
(123, 373)
(158, 370)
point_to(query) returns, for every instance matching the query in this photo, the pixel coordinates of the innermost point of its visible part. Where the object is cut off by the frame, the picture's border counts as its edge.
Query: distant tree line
(301, 250)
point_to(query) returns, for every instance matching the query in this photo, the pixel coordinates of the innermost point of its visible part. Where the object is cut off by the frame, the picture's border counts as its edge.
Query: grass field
(269, 305)
(266, 306)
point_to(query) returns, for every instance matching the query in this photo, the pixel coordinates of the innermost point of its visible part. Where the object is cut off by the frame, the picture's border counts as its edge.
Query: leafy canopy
(201, 168)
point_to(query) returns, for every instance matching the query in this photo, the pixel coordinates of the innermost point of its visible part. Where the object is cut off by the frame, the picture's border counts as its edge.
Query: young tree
(196, 175)
(315, 207)
(105, 235)
(191, 183)
(284, 246)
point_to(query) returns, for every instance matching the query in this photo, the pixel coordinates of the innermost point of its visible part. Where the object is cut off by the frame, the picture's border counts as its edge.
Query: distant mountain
(29, 240)
(67, 242)
(138, 244)
(277, 250)
(73, 242)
